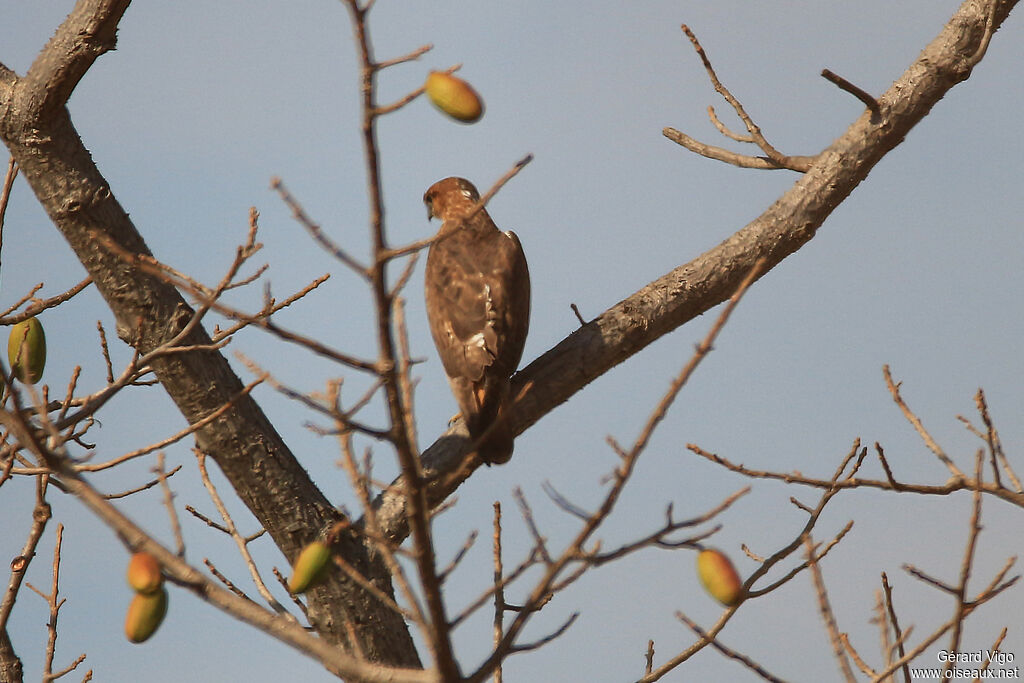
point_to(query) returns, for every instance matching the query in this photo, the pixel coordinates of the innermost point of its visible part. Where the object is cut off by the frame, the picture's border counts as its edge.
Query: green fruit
(309, 567)
(26, 351)
(144, 573)
(145, 613)
(719, 577)
(454, 96)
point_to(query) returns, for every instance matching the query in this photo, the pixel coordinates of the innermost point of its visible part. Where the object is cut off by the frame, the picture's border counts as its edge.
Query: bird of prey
(478, 306)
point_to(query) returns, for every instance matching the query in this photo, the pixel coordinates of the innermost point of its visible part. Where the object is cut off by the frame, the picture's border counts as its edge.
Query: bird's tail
(493, 432)
(495, 444)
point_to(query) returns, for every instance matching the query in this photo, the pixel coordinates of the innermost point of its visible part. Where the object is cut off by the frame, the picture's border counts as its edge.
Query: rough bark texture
(695, 287)
(37, 129)
(11, 670)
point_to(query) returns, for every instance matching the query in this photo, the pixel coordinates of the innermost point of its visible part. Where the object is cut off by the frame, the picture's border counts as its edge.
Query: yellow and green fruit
(719, 576)
(144, 574)
(145, 613)
(26, 351)
(454, 96)
(309, 567)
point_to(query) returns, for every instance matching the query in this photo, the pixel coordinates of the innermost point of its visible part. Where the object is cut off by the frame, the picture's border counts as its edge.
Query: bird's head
(450, 197)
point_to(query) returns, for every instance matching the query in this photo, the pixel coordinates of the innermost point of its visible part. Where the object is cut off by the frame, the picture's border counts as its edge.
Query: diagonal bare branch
(695, 287)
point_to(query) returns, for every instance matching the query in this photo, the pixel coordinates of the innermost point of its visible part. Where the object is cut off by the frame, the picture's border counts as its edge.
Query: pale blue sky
(202, 103)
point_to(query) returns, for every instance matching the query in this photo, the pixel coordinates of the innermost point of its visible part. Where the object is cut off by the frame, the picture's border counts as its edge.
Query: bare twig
(992, 591)
(804, 565)
(843, 84)
(507, 579)
(329, 409)
(761, 571)
(92, 404)
(844, 639)
(781, 230)
(40, 305)
(890, 484)
(577, 551)
(360, 480)
(775, 158)
(727, 651)
(967, 562)
(995, 446)
(143, 487)
(460, 554)
(299, 213)
(5, 194)
(161, 474)
(412, 56)
(185, 575)
(437, 635)
(228, 583)
(405, 380)
(174, 438)
(105, 349)
(259, 320)
(381, 110)
(827, 615)
(242, 542)
(894, 389)
(499, 590)
(541, 642)
(658, 538)
(389, 254)
(19, 565)
(576, 312)
(881, 619)
(897, 632)
(55, 605)
(724, 130)
(762, 163)
(994, 649)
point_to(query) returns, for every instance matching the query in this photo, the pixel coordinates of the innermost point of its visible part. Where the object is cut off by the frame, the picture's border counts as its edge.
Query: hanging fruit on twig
(26, 351)
(144, 574)
(454, 96)
(145, 613)
(719, 577)
(309, 567)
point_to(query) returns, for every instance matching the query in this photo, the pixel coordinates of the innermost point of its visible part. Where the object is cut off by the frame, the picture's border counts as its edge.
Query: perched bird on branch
(478, 306)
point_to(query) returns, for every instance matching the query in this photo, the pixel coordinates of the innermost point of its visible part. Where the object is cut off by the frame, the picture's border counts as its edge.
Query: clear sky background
(202, 103)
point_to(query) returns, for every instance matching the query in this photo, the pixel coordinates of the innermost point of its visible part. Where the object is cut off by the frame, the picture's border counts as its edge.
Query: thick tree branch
(38, 131)
(695, 287)
(183, 574)
(37, 128)
(88, 32)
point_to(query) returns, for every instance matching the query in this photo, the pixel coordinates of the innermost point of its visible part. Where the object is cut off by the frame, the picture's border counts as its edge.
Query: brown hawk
(478, 306)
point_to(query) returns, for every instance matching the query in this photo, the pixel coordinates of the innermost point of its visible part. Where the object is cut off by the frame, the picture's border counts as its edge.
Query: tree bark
(694, 288)
(11, 670)
(37, 129)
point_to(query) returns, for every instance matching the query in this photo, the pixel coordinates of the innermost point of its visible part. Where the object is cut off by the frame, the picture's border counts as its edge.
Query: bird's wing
(478, 293)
